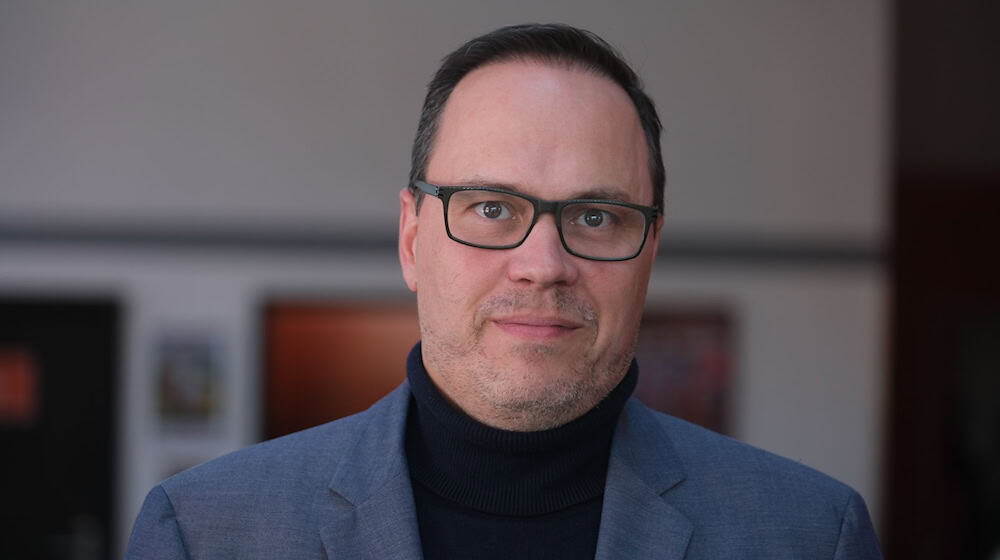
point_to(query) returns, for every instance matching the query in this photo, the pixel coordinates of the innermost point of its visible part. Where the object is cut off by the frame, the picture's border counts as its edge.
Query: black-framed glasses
(494, 218)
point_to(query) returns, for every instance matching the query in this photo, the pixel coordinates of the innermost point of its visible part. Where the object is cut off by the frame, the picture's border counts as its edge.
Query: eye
(493, 210)
(593, 217)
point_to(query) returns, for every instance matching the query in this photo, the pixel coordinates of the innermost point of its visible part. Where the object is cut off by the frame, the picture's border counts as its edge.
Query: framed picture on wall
(327, 358)
(188, 373)
(686, 364)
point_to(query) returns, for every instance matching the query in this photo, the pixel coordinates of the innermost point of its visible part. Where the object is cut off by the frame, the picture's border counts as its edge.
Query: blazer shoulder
(710, 455)
(265, 500)
(758, 499)
(721, 475)
(292, 465)
(308, 453)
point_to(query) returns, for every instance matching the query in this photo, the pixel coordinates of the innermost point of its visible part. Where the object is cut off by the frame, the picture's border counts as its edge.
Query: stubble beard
(504, 391)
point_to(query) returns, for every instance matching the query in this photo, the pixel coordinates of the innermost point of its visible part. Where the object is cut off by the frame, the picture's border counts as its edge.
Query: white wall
(297, 117)
(300, 114)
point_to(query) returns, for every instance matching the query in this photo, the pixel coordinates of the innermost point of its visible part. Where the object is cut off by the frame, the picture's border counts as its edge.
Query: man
(528, 233)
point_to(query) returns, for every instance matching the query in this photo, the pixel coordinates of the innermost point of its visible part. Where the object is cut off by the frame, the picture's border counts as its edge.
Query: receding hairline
(539, 63)
(557, 61)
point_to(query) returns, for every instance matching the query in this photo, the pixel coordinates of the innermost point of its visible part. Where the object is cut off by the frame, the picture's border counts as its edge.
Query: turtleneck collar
(505, 472)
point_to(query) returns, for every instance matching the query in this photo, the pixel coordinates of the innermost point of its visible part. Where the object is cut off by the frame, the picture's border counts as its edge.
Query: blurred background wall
(192, 162)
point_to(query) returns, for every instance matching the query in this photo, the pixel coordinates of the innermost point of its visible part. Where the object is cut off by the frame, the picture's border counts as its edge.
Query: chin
(543, 406)
(543, 382)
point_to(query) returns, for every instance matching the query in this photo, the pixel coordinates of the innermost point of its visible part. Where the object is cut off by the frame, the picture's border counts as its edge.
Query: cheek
(620, 296)
(455, 279)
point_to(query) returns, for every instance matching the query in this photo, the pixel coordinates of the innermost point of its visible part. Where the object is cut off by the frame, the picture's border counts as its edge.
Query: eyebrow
(598, 193)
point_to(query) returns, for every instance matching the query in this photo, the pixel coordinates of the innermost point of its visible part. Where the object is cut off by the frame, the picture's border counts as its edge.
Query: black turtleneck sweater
(485, 493)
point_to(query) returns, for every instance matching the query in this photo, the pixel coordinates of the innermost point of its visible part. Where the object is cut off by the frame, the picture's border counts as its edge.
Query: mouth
(537, 327)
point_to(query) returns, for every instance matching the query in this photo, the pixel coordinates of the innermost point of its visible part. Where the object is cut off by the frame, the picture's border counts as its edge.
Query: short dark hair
(552, 43)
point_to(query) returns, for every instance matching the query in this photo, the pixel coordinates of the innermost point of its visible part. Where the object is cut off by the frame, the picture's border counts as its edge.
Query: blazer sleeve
(857, 536)
(156, 534)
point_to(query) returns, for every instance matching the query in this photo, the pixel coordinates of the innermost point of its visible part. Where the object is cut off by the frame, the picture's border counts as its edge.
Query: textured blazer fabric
(342, 490)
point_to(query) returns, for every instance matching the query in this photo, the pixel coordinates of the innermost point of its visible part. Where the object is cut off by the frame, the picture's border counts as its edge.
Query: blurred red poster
(19, 387)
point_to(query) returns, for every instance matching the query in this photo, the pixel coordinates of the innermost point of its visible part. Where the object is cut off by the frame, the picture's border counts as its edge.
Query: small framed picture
(188, 366)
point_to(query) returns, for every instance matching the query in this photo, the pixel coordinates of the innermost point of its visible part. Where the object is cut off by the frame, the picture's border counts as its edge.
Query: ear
(408, 237)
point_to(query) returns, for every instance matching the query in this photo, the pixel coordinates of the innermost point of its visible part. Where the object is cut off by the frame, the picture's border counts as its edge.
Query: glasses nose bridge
(542, 207)
(546, 207)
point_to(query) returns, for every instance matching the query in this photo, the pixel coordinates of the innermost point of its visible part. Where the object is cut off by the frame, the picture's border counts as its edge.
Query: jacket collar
(371, 500)
(372, 514)
(637, 521)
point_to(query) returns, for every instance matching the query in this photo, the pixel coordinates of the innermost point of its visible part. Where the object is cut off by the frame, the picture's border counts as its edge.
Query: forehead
(550, 130)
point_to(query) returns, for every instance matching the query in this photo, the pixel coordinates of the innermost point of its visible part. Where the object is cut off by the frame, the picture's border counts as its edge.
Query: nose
(541, 259)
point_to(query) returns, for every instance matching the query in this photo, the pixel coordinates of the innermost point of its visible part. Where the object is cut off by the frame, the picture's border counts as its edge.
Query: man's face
(532, 337)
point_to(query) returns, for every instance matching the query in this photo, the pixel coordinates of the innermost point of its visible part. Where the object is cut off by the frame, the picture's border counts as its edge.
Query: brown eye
(593, 218)
(492, 210)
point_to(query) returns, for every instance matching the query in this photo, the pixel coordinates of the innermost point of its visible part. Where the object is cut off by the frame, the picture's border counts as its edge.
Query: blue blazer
(342, 490)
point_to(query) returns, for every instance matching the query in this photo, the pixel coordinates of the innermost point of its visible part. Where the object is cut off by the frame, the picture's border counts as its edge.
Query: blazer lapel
(637, 522)
(371, 512)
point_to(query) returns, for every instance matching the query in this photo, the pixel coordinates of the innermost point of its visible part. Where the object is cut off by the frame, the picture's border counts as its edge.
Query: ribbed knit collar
(504, 472)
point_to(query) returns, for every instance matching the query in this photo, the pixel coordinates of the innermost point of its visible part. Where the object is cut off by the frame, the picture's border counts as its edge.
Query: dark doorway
(943, 471)
(58, 374)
